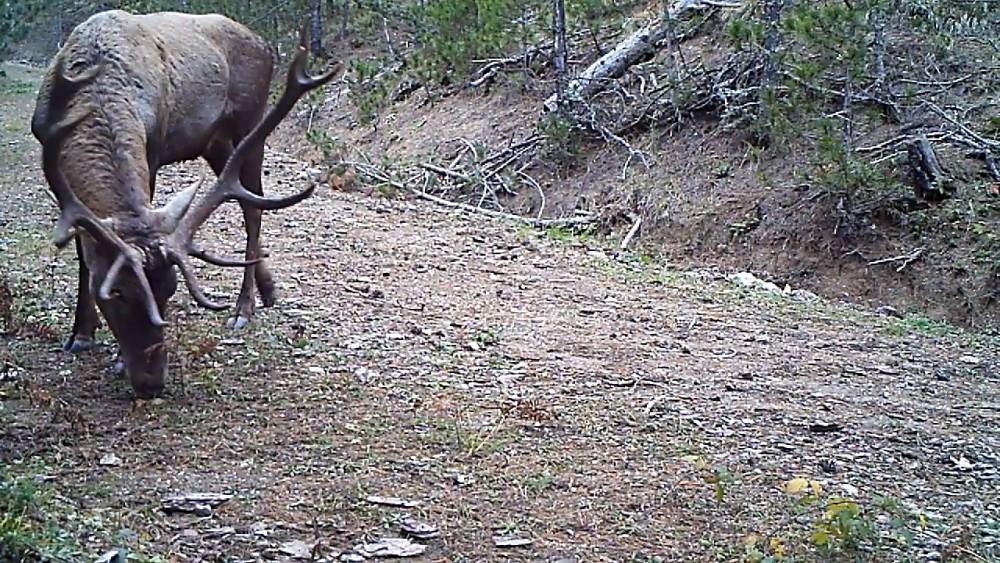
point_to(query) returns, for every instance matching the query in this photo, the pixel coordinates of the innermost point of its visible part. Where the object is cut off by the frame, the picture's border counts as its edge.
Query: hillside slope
(826, 204)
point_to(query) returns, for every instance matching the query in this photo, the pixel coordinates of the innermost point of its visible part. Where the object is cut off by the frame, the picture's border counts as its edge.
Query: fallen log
(635, 48)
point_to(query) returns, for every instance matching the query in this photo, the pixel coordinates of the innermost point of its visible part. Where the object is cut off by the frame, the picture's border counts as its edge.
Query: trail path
(509, 383)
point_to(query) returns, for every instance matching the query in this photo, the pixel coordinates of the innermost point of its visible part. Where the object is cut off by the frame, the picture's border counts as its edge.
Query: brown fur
(171, 87)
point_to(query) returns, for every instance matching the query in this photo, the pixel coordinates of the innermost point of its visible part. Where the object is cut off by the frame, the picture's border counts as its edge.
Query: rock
(825, 427)
(108, 460)
(298, 549)
(200, 504)
(390, 547)
(419, 530)
(963, 464)
(511, 541)
(126, 536)
(746, 279)
(888, 311)
(113, 556)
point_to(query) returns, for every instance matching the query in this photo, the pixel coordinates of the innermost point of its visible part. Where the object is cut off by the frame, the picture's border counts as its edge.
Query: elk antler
(74, 214)
(179, 244)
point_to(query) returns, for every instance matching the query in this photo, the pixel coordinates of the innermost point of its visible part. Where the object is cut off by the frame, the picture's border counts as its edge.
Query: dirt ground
(507, 382)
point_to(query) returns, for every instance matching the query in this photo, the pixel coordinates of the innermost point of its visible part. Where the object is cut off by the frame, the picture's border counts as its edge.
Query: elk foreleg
(86, 318)
(251, 178)
(258, 275)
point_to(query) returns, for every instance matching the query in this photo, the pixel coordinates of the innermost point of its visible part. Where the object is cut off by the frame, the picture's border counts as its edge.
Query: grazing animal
(124, 96)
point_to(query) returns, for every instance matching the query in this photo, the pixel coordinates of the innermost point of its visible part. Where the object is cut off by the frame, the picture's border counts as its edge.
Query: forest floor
(502, 383)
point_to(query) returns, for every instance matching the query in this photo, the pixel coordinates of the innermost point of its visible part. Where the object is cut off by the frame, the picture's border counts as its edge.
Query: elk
(124, 96)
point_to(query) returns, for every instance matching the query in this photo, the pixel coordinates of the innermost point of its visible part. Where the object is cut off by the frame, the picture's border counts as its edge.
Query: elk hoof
(118, 369)
(78, 344)
(269, 298)
(237, 322)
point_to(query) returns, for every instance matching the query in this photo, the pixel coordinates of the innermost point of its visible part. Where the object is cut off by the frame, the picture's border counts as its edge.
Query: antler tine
(214, 260)
(152, 309)
(109, 280)
(182, 264)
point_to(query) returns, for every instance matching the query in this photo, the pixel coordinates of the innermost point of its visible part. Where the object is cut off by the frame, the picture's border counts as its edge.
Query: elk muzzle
(146, 370)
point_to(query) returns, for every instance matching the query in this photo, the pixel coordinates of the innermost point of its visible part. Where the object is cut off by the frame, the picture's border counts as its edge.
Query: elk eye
(115, 294)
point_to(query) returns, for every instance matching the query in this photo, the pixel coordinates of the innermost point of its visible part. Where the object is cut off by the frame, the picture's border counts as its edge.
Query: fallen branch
(384, 178)
(631, 233)
(563, 222)
(444, 171)
(907, 259)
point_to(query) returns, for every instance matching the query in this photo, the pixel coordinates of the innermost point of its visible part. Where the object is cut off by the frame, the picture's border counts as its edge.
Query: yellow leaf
(816, 489)
(839, 505)
(820, 538)
(751, 540)
(796, 486)
(923, 522)
(777, 549)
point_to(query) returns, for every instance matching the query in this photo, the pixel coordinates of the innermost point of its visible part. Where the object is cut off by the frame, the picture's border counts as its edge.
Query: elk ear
(169, 216)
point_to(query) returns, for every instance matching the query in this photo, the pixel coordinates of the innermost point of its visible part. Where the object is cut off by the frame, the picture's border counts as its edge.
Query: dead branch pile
(474, 178)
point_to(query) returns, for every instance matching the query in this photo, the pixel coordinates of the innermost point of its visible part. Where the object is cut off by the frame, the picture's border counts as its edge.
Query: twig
(990, 144)
(907, 259)
(631, 232)
(564, 222)
(444, 171)
(383, 177)
(974, 406)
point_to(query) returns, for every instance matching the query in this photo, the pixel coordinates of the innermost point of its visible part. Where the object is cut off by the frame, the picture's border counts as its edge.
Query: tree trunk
(345, 11)
(559, 30)
(930, 182)
(316, 27)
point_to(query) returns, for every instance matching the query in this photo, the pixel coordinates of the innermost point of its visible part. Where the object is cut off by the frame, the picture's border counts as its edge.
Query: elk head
(132, 260)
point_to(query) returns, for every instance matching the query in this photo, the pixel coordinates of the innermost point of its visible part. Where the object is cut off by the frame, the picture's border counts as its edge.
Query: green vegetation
(916, 325)
(28, 531)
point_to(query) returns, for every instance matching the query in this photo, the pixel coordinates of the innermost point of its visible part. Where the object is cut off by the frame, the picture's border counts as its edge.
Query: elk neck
(104, 159)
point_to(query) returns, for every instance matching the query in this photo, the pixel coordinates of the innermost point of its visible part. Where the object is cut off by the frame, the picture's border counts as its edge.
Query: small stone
(849, 489)
(297, 549)
(511, 541)
(113, 556)
(419, 530)
(825, 427)
(126, 536)
(390, 547)
(109, 460)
